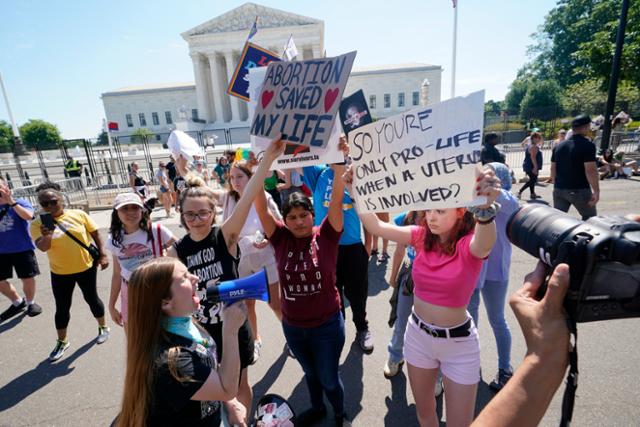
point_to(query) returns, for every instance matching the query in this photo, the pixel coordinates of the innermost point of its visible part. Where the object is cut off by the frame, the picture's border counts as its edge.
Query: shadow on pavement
(13, 322)
(399, 412)
(377, 281)
(262, 387)
(30, 382)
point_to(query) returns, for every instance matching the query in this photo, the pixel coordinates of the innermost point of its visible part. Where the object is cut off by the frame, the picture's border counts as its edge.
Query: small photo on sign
(354, 112)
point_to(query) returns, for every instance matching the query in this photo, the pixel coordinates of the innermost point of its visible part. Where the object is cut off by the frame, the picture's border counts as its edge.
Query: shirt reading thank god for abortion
(307, 269)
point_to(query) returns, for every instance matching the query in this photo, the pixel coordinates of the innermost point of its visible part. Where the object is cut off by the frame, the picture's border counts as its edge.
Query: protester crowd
(188, 358)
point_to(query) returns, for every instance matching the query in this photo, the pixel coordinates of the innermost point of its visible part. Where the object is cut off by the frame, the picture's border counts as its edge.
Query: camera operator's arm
(591, 170)
(525, 398)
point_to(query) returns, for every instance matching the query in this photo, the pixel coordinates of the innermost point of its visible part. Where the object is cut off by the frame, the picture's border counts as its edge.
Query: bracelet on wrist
(13, 205)
(484, 215)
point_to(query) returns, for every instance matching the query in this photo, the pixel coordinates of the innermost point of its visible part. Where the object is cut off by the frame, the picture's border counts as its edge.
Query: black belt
(457, 332)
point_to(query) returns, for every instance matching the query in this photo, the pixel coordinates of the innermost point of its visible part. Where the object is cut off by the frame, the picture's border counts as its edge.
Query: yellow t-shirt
(65, 255)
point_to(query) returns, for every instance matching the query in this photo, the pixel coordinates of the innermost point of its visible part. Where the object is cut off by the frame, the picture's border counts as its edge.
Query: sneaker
(257, 347)
(365, 341)
(33, 310)
(383, 257)
(310, 416)
(439, 387)
(13, 310)
(103, 334)
(501, 379)
(58, 350)
(391, 369)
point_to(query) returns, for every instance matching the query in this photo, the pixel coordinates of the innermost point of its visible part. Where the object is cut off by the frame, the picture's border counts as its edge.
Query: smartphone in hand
(47, 221)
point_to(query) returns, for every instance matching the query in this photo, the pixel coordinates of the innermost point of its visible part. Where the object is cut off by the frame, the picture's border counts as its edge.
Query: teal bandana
(184, 327)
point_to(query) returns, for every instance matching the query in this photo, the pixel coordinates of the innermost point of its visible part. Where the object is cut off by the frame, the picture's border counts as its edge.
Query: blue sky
(57, 57)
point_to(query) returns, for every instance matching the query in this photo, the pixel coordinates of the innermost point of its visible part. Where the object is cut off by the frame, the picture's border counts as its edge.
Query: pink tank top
(441, 279)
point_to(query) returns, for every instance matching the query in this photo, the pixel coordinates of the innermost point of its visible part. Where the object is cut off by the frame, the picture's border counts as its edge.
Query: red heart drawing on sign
(267, 96)
(330, 98)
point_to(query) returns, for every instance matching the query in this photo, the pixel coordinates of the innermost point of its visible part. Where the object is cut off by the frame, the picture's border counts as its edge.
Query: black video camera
(603, 254)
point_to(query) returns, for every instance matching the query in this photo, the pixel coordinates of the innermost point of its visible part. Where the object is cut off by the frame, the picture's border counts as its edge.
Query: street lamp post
(615, 74)
(18, 147)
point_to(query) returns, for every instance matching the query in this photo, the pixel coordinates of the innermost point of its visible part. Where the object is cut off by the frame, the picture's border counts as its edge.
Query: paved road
(84, 388)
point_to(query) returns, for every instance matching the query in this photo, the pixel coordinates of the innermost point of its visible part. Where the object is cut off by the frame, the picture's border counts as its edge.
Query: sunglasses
(47, 203)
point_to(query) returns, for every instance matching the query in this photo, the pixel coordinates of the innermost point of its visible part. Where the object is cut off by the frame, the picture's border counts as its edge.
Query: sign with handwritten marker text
(252, 56)
(425, 158)
(294, 155)
(300, 99)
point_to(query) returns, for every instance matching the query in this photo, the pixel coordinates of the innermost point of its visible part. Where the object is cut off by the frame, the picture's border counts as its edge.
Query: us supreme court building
(215, 47)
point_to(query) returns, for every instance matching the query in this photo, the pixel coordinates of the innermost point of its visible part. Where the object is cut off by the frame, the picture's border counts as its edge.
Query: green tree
(139, 135)
(589, 97)
(493, 107)
(6, 137)
(103, 139)
(517, 91)
(542, 101)
(577, 39)
(39, 133)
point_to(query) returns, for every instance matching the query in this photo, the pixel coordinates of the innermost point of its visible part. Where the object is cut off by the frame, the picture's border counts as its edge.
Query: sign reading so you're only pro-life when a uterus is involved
(425, 158)
(300, 99)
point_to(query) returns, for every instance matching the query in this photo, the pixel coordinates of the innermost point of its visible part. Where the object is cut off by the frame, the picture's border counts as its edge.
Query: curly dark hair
(117, 228)
(48, 185)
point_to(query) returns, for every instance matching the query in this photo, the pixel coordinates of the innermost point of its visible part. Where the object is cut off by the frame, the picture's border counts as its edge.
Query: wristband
(13, 205)
(484, 215)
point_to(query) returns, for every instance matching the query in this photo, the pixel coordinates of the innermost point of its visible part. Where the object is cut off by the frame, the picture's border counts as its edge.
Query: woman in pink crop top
(440, 334)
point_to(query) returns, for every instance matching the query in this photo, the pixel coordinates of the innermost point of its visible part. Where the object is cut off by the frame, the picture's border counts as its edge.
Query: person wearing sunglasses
(211, 252)
(70, 261)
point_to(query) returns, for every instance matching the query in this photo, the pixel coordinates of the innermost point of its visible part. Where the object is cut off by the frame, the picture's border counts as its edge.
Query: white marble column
(202, 88)
(215, 88)
(235, 102)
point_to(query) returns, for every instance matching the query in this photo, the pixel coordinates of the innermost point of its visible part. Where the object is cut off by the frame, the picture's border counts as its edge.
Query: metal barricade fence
(73, 191)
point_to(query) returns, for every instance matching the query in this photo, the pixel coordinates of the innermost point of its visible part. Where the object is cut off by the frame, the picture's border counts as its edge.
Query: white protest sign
(300, 99)
(295, 155)
(425, 158)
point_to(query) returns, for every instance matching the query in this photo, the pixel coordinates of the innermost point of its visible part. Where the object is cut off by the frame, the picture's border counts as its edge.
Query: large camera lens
(538, 229)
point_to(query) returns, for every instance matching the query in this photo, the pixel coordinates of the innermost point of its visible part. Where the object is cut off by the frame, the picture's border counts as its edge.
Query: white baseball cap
(124, 199)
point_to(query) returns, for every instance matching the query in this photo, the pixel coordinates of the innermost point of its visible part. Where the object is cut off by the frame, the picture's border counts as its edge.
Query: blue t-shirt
(399, 221)
(319, 179)
(14, 231)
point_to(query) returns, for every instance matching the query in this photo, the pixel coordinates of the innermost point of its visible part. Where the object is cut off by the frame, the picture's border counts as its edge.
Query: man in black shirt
(574, 171)
(489, 151)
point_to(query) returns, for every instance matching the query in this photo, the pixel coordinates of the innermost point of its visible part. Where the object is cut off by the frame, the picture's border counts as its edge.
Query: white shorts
(457, 358)
(255, 261)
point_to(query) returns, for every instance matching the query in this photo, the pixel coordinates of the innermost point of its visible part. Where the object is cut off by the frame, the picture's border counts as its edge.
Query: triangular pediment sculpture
(243, 17)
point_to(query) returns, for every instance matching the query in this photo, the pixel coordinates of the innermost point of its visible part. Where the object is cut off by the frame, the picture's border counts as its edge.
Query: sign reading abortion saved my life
(300, 99)
(425, 158)
(294, 155)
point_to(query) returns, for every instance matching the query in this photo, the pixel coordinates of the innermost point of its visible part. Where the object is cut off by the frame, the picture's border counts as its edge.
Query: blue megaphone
(255, 286)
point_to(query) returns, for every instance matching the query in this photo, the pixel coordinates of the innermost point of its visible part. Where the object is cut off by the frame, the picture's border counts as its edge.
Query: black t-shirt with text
(172, 404)
(570, 156)
(210, 260)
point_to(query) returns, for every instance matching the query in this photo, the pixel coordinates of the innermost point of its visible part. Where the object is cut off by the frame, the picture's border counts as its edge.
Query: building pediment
(243, 17)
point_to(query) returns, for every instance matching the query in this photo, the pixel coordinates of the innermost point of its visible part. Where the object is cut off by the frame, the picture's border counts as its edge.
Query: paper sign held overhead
(300, 99)
(252, 56)
(294, 155)
(425, 158)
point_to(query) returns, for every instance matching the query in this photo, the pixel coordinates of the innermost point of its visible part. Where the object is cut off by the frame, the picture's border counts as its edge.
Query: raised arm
(233, 225)
(484, 236)
(264, 213)
(335, 214)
